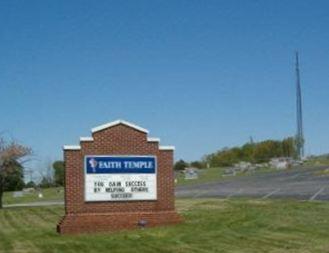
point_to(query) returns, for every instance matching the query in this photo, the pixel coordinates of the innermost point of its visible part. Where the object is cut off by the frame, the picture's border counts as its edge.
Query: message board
(120, 178)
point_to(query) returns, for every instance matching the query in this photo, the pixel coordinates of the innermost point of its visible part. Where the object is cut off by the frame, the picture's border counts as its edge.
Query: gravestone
(18, 194)
(119, 178)
(191, 173)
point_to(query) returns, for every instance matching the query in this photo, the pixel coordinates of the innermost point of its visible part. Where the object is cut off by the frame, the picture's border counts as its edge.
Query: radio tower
(299, 135)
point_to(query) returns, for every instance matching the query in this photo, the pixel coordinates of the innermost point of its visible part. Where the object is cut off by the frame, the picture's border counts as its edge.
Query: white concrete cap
(167, 148)
(86, 138)
(71, 147)
(153, 139)
(117, 122)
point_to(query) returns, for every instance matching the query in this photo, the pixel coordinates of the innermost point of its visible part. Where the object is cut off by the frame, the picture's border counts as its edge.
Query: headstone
(191, 173)
(229, 172)
(280, 163)
(18, 194)
(119, 178)
(28, 190)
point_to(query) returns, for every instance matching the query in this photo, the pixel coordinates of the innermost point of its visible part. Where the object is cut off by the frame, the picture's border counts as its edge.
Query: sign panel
(120, 178)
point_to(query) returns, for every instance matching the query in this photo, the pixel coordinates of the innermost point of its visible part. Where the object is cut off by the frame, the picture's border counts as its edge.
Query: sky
(200, 75)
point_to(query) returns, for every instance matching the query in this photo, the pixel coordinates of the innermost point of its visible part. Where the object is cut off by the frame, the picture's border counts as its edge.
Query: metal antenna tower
(299, 135)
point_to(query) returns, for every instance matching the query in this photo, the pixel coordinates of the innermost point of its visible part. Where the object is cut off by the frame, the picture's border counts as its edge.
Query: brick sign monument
(118, 179)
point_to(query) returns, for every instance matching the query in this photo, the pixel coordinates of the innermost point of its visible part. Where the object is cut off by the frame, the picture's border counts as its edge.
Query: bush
(180, 165)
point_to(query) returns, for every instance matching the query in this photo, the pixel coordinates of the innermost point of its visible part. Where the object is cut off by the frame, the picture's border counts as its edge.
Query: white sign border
(120, 200)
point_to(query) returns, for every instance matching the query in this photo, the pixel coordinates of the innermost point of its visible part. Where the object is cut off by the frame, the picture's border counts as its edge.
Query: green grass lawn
(324, 172)
(55, 193)
(211, 225)
(216, 174)
(317, 161)
(205, 175)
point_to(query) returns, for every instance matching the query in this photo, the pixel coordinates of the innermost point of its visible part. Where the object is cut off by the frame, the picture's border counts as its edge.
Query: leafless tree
(46, 174)
(10, 151)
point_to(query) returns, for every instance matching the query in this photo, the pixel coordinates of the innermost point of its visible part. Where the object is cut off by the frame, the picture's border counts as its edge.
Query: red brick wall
(116, 140)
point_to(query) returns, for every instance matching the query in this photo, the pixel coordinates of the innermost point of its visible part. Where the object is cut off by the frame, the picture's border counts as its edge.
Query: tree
(10, 152)
(47, 175)
(180, 165)
(289, 148)
(14, 181)
(248, 151)
(198, 164)
(59, 170)
(252, 152)
(46, 182)
(30, 184)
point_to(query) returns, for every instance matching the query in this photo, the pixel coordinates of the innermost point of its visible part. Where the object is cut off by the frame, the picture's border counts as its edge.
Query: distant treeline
(259, 152)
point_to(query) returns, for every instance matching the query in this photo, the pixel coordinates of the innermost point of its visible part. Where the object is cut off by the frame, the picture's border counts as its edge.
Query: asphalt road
(303, 183)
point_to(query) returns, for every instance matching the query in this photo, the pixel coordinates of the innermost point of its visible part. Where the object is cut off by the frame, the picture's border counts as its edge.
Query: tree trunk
(1, 193)
(1, 189)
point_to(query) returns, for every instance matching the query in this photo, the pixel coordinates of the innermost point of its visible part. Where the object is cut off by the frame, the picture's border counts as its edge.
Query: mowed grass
(205, 175)
(49, 194)
(217, 174)
(211, 225)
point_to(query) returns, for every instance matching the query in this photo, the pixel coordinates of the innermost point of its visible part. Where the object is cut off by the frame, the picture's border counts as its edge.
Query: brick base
(104, 222)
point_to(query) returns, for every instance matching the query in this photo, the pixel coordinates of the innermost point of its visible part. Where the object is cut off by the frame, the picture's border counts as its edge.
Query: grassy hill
(215, 174)
(319, 160)
(49, 194)
(211, 225)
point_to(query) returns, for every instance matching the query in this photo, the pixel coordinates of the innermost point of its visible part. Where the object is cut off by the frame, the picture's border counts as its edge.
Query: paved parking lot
(304, 183)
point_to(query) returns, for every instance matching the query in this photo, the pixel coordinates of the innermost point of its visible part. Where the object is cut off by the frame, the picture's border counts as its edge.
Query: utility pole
(299, 135)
